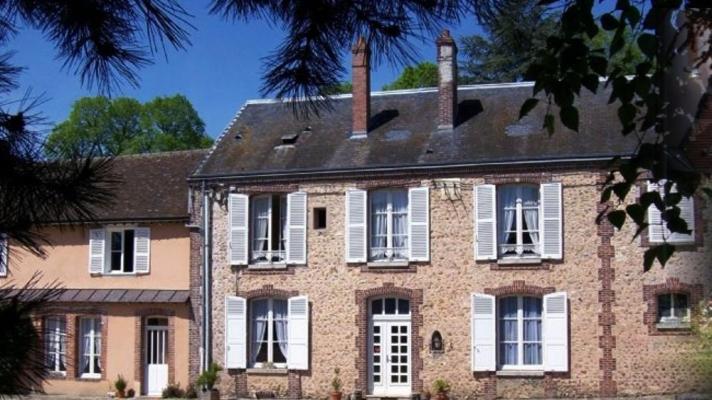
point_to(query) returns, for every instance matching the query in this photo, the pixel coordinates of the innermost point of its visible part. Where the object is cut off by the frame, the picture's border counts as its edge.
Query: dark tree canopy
(111, 127)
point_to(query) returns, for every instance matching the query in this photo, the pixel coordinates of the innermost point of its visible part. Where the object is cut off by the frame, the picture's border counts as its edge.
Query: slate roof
(152, 186)
(403, 133)
(112, 295)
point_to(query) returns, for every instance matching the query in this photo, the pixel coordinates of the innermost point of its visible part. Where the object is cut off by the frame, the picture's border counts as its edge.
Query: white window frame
(519, 225)
(672, 321)
(390, 256)
(58, 338)
(270, 253)
(271, 335)
(94, 335)
(520, 366)
(109, 250)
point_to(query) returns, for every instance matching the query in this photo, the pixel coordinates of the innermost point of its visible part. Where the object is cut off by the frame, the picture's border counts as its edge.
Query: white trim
(96, 323)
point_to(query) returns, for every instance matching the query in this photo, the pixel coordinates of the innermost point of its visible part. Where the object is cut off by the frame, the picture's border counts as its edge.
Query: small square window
(319, 218)
(673, 310)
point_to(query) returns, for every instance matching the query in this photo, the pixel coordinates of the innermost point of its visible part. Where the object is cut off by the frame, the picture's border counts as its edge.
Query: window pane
(664, 306)
(390, 306)
(260, 227)
(508, 307)
(378, 224)
(681, 305)
(258, 333)
(377, 306)
(116, 241)
(532, 354)
(115, 261)
(403, 306)
(532, 307)
(532, 330)
(508, 354)
(128, 250)
(277, 353)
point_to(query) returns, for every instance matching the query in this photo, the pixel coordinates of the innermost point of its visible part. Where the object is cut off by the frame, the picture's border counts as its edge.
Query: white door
(390, 347)
(156, 361)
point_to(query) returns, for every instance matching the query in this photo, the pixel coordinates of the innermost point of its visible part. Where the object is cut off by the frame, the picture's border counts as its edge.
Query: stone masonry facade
(611, 349)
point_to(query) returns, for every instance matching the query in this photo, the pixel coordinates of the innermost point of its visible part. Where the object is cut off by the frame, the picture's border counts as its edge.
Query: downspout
(207, 279)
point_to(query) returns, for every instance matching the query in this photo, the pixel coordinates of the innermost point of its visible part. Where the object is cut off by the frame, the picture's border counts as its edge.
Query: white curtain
(283, 222)
(86, 345)
(280, 324)
(507, 198)
(379, 207)
(260, 209)
(508, 330)
(530, 198)
(51, 342)
(259, 326)
(97, 346)
(400, 223)
(532, 331)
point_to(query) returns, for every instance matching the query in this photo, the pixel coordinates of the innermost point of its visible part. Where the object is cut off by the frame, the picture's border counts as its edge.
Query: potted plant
(441, 387)
(207, 381)
(120, 386)
(336, 386)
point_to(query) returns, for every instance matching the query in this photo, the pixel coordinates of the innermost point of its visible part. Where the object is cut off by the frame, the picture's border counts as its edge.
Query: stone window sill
(267, 266)
(676, 326)
(519, 261)
(387, 264)
(521, 373)
(267, 371)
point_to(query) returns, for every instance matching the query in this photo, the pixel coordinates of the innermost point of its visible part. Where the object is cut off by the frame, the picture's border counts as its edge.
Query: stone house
(126, 308)
(412, 235)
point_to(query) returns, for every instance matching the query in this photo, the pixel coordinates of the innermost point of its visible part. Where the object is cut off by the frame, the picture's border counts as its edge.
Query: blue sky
(217, 73)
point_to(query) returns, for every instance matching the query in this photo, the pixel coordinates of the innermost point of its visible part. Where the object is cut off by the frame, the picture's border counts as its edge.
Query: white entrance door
(156, 362)
(390, 348)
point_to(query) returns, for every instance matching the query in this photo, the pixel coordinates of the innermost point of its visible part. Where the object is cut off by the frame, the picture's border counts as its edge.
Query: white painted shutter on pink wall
(298, 333)
(556, 332)
(551, 221)
(97, 247)
(419, 224)
(297, 228)
(657, 231)
(238, 221)
(142, 250)
(356, 215)
(483, 333)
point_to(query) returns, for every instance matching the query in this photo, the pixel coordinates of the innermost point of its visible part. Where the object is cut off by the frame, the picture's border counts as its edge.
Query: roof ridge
(159, 153)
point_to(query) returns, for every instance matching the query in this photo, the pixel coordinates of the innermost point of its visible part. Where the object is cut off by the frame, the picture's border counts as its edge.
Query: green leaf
(617, 43)
(665, 251)
(632, 15)
(598, 65)
(648, 44)
(549, 123)
(708, 192)
(570, 117)
(528, 105)
(649, 258)
(617, 218)
(621, 189)
(590, 82)
(626, 113)
(609, 22)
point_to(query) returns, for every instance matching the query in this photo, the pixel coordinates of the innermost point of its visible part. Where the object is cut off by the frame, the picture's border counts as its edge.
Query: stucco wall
(122, 357)
(447, 282)
(67, 260)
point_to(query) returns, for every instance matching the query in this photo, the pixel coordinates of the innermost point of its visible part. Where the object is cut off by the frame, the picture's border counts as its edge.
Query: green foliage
(120, 384)
(424, 74)
(340, 88)
(173, 391)
(106, 127)
(210, 376)
(620, 47)
(190, 392)
(336, 383)
(441, 386)
(702, 327)
(512, 37)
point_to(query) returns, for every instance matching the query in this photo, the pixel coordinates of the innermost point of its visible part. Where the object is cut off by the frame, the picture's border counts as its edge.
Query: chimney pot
(361, 84)
(447, 81)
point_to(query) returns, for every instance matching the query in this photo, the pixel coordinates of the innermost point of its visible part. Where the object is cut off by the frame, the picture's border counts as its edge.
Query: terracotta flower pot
(213, 394)
(335, 396)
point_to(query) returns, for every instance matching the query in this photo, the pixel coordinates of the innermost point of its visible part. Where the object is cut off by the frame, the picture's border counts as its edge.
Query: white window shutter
(238, 219)
(4, 250)
(297, 228)
(356, 210)
(655, 219)
(97, 247)
(555, 332)
(235, 332)
(485, 198)
(142, 250)
(687, 212)
(419, 224)
(550, 221)
(298, 333)
(483, 333)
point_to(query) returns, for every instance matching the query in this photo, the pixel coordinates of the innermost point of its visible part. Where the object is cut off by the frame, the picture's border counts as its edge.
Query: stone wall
(634, 361)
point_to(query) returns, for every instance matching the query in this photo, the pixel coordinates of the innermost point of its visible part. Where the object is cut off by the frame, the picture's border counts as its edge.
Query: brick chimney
(447, 81)
(361, 83)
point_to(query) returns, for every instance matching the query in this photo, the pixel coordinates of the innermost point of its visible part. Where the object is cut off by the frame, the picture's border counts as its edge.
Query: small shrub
(131, 393)
(120, 385)
(209, 377)
(173, 392)
(190, 392)
(441, 386)
(336, 382)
